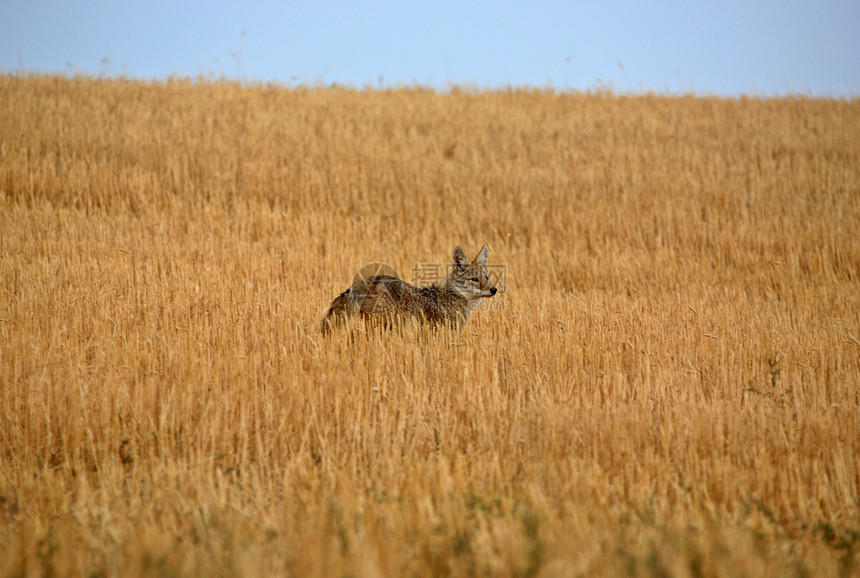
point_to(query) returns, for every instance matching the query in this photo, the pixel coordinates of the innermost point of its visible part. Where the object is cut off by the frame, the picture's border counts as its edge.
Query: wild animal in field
(386, 298)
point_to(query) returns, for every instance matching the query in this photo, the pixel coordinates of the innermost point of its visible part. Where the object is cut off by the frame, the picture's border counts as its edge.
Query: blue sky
(707, 47)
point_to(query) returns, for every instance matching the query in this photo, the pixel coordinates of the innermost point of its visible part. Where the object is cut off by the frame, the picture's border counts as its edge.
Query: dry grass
(669, 386)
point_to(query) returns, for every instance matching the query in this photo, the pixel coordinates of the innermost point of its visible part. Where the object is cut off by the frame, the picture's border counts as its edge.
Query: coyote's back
(386, 298)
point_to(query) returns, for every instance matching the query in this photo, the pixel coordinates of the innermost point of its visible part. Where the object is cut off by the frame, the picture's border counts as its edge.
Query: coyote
(385, 298)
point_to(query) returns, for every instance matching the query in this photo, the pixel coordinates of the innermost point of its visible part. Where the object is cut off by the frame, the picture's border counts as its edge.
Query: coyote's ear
(481, 259)
(460, 260)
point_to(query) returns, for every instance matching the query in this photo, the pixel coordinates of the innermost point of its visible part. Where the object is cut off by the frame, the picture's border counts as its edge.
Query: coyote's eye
(474, 279)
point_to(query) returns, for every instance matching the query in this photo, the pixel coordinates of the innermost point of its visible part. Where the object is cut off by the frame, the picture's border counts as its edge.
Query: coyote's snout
(450, 302)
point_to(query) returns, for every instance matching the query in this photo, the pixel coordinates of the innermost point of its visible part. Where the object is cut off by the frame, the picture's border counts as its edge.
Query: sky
(726, 48)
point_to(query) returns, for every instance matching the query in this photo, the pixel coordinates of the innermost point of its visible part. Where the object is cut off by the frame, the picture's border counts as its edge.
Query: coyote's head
(471, 279)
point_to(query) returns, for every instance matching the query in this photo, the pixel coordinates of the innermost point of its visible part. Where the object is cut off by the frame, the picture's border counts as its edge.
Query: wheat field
(668, 385)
